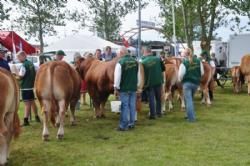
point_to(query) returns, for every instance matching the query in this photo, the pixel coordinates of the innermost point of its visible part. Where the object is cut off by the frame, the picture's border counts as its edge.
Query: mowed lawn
(221, 136)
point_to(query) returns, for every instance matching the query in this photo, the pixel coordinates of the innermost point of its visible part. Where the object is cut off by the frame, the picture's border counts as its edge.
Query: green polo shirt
(153, 68)
(129, 71)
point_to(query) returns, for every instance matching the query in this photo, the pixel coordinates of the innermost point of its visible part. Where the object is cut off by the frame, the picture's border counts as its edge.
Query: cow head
(84, 65)
(78, 65)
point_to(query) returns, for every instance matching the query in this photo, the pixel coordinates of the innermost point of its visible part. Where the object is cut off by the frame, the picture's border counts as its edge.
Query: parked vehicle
(238, 46)
(37, 60)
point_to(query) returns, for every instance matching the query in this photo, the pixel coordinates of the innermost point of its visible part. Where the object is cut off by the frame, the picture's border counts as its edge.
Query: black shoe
(159, 116)
(38, 119)
(25, 122)
(131, 127)
(151, 117)
(121, 129)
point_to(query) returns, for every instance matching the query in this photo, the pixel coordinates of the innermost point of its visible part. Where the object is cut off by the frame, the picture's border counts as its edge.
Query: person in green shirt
(126, 80)
(190, 73)
(153, 72)
(59, 55)
(26, 75)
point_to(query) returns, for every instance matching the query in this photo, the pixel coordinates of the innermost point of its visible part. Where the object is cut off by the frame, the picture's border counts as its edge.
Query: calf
(57, 86)
(9, 120)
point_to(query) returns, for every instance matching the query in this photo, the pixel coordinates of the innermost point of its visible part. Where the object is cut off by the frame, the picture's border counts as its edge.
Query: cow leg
(103, 109)
(182, 102)
(72, 110)
(97, 109)
(57, 119)
(248, 88)
(168, 97)
(3, 150)
(62, 109)
(45, 110)
(203, 95)
(207, 97)
(163, 100)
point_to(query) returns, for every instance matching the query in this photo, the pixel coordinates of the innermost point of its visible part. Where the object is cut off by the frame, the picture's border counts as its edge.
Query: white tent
(81, 44)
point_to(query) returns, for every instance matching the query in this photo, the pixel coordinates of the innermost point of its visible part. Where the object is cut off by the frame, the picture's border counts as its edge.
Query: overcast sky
(150, 13)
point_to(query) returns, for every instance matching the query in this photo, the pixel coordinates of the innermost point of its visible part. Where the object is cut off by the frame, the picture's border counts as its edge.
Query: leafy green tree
(39, 17)
(200, 18)
(107, 15)
(187, 22)
(4, 12)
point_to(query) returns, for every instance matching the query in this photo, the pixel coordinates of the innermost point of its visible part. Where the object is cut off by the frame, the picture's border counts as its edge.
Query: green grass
(221, 136)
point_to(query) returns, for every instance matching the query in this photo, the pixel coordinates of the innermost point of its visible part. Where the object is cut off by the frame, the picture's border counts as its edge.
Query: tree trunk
(41, 40)
(40, 36)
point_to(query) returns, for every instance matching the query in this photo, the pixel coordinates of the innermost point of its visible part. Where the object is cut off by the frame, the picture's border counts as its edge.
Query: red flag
(125, 42)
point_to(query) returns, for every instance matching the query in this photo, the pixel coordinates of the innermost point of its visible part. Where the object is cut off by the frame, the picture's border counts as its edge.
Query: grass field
(221, 136)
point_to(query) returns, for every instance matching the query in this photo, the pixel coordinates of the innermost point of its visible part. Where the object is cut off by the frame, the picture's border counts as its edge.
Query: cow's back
(57, 81)
(100, 75)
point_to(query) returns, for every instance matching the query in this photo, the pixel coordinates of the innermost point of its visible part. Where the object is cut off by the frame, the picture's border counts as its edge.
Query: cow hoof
(97, 117)
(60, 137)
(45, 138)
(73, 123)
(183, 110)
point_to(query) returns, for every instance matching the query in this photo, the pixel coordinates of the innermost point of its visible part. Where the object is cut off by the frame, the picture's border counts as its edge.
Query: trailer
(238, 46)
(219, 48)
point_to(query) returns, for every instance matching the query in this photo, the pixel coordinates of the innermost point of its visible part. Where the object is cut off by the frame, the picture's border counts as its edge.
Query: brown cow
(99, 77)
(57, 86)
(171, 82)
(9, 120)
(237, 83)
(245, 70)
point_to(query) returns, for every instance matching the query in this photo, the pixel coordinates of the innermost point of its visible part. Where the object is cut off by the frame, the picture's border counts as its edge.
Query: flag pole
(139, 31)
(174, 30)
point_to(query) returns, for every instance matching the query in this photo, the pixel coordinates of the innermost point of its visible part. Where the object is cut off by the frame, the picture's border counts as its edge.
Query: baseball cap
(60, 52)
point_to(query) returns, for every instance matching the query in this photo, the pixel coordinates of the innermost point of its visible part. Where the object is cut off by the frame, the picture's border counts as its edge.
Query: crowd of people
(126, 81)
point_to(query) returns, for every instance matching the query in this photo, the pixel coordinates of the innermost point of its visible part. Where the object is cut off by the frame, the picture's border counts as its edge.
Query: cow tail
(16, 125)
(16, 120)
(242, 78)
(54, 107)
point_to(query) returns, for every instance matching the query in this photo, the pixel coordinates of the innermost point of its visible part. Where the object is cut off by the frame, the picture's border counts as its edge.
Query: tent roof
(7, 38)
(81, 43)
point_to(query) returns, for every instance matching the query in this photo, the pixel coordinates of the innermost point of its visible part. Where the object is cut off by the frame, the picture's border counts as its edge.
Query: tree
(107, 15)
(39, 17)
(4, 12)
(187, 22)
(200, 18)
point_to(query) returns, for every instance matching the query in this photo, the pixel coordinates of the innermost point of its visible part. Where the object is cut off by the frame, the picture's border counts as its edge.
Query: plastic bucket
(115, 106)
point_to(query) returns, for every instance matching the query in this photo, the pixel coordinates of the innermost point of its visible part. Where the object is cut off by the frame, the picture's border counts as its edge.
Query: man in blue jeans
(125, 84)
(190, 73)
(153, 72)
